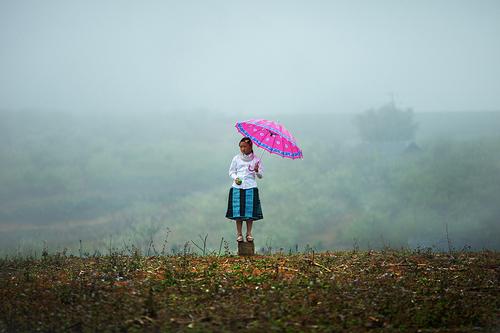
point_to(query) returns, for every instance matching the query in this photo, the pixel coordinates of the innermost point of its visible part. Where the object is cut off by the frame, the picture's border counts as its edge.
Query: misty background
(117, 121)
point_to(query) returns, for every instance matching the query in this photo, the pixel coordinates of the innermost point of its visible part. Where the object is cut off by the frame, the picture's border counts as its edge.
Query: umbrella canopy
(271, 136)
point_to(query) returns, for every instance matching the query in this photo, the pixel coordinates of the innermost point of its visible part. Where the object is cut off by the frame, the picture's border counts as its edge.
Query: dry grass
(333, 291)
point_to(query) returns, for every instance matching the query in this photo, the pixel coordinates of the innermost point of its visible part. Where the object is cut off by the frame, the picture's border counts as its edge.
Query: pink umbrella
(271, 136)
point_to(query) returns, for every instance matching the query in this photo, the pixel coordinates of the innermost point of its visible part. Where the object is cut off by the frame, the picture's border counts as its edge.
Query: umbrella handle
(262, 154)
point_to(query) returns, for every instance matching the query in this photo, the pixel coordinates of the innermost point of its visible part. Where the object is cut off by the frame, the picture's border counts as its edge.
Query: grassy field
(355, 291)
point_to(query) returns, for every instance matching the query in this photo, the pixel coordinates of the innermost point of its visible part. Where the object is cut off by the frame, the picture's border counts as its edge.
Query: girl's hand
(256, 167)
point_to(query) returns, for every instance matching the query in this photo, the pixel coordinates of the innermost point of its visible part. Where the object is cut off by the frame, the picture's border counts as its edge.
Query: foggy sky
(262, 56)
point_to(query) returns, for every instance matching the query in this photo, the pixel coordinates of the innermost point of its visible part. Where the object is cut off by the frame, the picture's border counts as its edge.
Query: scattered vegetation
(388, 290)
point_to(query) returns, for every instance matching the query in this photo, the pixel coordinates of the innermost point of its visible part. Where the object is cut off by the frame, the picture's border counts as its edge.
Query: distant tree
(387, 123)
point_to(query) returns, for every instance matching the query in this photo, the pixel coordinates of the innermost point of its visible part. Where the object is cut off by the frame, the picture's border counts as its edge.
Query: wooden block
(246, 249)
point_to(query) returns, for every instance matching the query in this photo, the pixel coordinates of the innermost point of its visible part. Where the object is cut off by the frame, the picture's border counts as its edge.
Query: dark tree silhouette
(387, 123)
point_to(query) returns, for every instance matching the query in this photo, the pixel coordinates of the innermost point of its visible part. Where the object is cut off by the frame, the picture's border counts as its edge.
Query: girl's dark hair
(247, 140)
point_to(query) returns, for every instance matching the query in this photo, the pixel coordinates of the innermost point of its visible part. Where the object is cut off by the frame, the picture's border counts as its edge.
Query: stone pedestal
(246, 248)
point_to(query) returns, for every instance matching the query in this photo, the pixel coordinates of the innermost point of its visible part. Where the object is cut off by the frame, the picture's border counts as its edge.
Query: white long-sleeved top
(241, 167)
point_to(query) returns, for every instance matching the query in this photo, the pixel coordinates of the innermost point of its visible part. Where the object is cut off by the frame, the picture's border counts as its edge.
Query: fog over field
(117, 122)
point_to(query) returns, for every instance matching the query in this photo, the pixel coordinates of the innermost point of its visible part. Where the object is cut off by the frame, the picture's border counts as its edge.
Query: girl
(244, 203)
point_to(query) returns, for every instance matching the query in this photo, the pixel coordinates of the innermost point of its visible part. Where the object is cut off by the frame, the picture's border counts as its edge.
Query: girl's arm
(260, 172)
(232, 169)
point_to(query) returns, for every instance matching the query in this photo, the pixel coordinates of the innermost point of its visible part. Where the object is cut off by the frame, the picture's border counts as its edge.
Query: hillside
(128, 178)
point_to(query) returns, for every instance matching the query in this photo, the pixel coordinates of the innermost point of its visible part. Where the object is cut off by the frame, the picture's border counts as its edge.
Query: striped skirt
(244, 204)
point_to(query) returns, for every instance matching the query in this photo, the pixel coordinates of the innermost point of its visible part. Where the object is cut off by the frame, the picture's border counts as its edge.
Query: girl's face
(245, 148)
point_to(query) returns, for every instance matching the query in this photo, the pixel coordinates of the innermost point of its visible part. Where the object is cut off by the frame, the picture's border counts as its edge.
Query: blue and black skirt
(244, 204)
